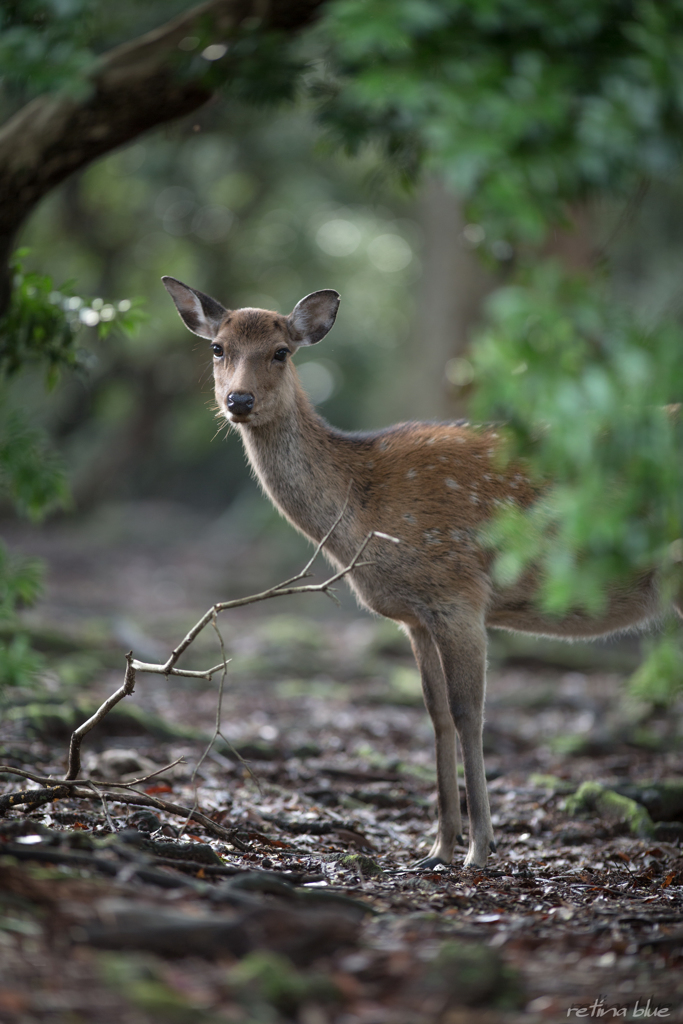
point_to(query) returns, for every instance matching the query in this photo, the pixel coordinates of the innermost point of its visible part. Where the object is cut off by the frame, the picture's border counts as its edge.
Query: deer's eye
(217, 351)
(281, 355)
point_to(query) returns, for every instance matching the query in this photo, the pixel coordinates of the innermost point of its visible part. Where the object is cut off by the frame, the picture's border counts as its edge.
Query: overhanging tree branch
(134, 87)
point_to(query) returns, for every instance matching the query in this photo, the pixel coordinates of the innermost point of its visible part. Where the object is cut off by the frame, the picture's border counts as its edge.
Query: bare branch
(43, 779)
(143, 666)
(279, 590)
(187, 819)
(77, 736)
(146, 778)
(105, 808)
(47, 780)
(145, 800)
(306, 571)
(86, 790)
(219, 705)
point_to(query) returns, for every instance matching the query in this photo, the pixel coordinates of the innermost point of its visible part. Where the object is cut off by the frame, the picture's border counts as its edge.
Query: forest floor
(324, 778)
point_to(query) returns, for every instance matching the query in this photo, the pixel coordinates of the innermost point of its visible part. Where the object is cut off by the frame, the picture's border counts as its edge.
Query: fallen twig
(187, 819)
(77, 736)
(35, 797)
(105, 807)
(48, 780)
(55, 790)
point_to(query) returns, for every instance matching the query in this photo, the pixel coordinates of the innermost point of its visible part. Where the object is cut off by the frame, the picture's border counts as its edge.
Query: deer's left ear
(313, 316)
(199, 312)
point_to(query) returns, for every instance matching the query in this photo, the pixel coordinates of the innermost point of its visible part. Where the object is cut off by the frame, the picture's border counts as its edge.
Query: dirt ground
(300, 900)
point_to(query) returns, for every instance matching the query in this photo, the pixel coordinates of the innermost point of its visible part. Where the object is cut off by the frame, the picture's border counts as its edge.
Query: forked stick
(77, 735)
(168, 668)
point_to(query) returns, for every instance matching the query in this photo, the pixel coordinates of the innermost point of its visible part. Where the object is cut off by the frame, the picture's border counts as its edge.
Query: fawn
(432, 486)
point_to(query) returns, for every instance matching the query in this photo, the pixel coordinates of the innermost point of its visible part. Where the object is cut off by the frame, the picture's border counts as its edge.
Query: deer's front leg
(448, 797)
(461, 642)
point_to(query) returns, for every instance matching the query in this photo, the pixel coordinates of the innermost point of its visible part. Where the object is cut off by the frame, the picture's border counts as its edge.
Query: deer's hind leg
(460, 639)
(436, 700)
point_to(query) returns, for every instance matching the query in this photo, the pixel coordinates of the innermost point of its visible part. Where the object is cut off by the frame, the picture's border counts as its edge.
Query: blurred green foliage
(522, 106)
(40, 327)
(41, 323)
(583, 386)
(45, 45)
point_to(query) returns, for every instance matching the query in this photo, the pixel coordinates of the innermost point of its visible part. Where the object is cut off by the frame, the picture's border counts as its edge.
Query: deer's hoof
(431, 862)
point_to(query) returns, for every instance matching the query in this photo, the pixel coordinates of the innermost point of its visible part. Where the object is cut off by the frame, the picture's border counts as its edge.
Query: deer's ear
(201, 313)
(313, 316)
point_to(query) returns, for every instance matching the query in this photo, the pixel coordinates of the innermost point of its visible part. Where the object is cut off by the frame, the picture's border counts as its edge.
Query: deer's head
(252, 348)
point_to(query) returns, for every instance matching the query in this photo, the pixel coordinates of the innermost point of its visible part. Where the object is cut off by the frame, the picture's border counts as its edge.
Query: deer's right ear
(201, 313)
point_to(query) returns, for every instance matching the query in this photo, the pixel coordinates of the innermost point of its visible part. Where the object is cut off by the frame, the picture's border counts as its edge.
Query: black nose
(240, 404)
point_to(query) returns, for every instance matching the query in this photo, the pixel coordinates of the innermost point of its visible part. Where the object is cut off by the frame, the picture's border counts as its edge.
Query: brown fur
(430, 485)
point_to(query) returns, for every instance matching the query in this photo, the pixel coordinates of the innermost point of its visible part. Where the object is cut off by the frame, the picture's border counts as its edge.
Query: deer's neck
(297, 460)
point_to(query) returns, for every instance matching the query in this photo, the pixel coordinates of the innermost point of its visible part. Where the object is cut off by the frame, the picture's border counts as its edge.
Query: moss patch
(591, 797)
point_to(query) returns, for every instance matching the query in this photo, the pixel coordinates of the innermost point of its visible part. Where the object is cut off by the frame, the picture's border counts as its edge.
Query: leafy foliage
(42, 323)
(30, 472)
(40, 326)
(584, 387)
(522, 106)
(660, 678)
(45, 45)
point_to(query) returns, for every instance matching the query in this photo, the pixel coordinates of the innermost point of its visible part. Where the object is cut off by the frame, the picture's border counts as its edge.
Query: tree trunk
(451, 293)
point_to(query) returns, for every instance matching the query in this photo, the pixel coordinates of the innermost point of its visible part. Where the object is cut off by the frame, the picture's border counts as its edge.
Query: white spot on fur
(411, 474)
(474, 499)
(432, 536)
(453, 484)
(409, 519)
(431, 440)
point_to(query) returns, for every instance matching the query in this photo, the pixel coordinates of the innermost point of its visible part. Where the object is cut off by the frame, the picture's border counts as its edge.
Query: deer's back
(432, 486)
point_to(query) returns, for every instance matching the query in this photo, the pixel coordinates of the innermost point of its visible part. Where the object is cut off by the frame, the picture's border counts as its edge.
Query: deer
(432, 486)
